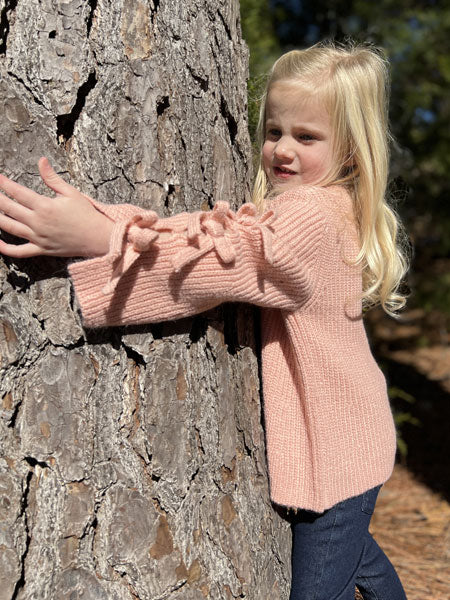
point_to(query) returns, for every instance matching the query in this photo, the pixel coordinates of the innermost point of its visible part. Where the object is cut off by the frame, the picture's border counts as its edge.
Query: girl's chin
(292, 181)
(283, 181)
(278, 187)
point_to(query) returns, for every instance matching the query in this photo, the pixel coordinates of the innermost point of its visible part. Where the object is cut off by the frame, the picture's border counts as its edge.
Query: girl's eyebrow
(298, 126)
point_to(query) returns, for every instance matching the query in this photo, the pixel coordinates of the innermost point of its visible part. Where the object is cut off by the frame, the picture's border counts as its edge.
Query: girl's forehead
(287, 96)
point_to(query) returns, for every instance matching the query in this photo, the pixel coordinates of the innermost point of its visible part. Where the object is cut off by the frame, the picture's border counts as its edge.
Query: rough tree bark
(132, 460)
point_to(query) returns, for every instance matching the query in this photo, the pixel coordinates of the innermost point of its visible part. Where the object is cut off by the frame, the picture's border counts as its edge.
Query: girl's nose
(283, 151)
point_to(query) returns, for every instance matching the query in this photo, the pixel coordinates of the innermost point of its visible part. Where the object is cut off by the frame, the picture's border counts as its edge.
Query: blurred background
(413, 351)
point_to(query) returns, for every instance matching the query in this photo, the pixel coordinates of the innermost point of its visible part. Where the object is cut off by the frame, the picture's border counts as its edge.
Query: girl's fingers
(54, 181)
(19, 192)
(14, 209)
(15, 227)
(20, 251)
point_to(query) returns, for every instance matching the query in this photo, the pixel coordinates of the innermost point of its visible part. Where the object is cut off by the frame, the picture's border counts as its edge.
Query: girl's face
(298, 138)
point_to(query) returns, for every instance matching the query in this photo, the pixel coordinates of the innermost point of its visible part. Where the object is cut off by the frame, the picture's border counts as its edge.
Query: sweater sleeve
(159, 269)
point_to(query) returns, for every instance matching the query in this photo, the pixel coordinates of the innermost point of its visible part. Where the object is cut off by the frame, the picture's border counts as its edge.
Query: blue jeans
(333, 551)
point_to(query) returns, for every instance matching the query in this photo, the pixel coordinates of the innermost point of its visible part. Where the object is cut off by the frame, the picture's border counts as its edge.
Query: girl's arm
(160, 269)
(156, 269)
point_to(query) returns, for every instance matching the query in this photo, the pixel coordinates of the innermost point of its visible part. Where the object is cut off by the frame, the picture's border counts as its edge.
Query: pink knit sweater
(329, 427)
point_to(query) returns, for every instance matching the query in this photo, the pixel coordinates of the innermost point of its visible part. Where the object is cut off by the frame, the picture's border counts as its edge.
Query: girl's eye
(306, 137)
(273, 133)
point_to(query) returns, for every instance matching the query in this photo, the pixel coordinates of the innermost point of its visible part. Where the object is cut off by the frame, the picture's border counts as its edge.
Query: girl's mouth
(283, 172)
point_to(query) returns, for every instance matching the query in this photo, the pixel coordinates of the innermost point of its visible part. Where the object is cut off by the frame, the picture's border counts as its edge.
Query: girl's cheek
(266, 154)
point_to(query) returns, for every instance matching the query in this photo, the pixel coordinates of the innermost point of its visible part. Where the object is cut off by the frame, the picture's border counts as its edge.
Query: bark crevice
(225, 25)
(9, 7)
(154, 10)
(229, 119)
(162, 105)
(22, 82)
(18, 280)
(203, 82)
(167, 593)
(65, 124)
(23, 513)
(198, 330)
(12, 421)
(230, 331)
(134, 355)
(34, 461)
(93, 6)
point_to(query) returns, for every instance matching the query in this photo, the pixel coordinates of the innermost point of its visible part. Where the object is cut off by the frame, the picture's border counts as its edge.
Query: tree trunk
(132, 461)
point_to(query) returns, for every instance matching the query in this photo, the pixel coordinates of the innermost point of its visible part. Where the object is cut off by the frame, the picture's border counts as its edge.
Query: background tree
(132, 459)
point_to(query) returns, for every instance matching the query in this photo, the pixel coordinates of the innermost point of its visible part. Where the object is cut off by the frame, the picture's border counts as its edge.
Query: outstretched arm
(144, 268)
(65, 225)
(159, 269)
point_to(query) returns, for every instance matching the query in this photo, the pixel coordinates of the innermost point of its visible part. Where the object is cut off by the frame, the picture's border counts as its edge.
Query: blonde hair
(353, 81)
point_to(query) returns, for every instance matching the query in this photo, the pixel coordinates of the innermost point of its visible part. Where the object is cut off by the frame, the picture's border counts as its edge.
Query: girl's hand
(66, 225)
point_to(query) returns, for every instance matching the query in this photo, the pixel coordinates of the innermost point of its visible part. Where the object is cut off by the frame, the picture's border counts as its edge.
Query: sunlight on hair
(353, 83)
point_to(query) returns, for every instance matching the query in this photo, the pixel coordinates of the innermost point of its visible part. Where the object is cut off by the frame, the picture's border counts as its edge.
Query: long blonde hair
(353, 82)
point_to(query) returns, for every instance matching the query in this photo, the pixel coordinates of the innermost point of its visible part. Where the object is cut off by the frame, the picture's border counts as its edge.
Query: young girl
(318, 243)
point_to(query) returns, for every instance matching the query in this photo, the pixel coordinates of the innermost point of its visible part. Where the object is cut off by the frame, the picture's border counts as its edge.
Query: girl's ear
(349, 167)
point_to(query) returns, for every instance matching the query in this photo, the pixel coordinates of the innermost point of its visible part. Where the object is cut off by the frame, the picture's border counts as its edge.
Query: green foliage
(255, 89)
(401, 416)
(396, 392)
(433, 294)
(258, 31)
(416, 36)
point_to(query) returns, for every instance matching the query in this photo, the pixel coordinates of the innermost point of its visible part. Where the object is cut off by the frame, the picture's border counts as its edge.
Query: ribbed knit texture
(329, 426)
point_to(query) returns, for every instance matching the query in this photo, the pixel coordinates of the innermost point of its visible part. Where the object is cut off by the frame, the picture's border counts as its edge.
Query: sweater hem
(293, 505)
